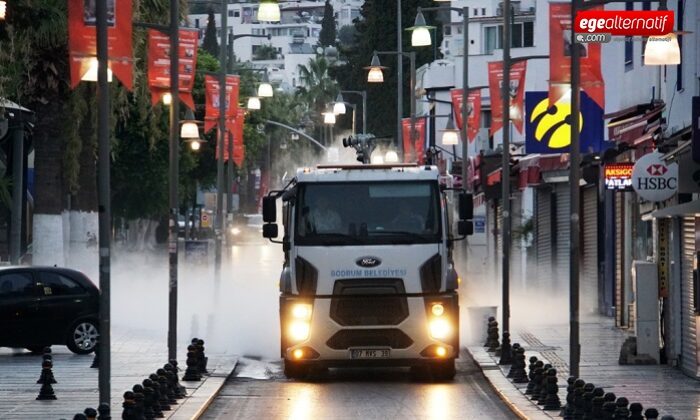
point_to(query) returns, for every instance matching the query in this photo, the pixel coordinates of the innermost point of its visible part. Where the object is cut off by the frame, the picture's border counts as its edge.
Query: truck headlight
(301, 311)
(235, 231)
(299, 330)
(437, 309)
(439, 328)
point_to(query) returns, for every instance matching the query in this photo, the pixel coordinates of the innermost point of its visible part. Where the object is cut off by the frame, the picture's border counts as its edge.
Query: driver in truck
(323, 218)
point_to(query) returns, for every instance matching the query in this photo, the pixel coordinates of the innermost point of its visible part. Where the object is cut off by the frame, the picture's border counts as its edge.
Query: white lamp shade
(329, 118)
(377, 159)
(253, 102)
(450, 137)
(195, 145)
(269, 11)
(339, 108)
(375, 75)
(391, 157)
(265, 90)
(189, 130)
(662, 50)
(420, 37)
(91, 74)
(3, 9)
(167, 98)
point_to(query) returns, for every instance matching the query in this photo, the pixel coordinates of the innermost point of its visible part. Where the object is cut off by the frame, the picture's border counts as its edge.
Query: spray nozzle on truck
(363, 144)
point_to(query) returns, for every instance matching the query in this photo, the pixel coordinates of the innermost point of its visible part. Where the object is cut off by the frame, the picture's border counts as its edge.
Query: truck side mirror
(269, 209)
(270, 230)
(465, 227)
(466, 206)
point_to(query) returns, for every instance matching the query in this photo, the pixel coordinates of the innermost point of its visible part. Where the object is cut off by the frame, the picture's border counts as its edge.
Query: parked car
(42, 306)
(245, 228)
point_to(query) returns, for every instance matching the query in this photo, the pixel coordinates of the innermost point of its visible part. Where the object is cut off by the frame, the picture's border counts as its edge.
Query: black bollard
(506, 351)
(516, 362)
(79, 416)
(161, 392)
(90, 413)
(103, 410)
(128, 406)
(183, 390)
(139, 402)
(569, 393)
(46, 392)
(530, 375)
(543, 385)
(597, 401)
(621, 410)
(551, 401)
(651, 414)
(577, 413)
(489, 324)
(587, 400)
(609, 408)
(172, 377)
(150, 388)
(204, 360)
(636, 410)
(493, 337)
(610, 397)
(148, 412)
(165, 385)
(537, 379)
(520, 376)
(47, 375)
(191, 373)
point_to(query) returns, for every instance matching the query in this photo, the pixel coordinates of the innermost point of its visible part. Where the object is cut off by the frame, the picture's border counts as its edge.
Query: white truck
(368, 277)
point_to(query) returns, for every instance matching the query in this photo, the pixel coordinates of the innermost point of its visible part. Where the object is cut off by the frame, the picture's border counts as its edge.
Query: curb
(493, 375)
(201, 398)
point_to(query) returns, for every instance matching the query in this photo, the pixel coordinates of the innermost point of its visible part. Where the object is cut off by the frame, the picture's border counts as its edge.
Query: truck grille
(388, 337)
(368, 302)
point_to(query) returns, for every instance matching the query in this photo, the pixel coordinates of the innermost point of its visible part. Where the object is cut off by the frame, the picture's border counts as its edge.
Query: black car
(41, 306)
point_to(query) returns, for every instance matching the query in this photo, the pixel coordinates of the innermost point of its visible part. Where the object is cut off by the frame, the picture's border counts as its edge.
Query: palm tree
(317, 87)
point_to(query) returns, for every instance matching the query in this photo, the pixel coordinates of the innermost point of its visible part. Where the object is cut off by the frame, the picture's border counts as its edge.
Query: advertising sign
(663, 256)
(654, 179)
(159, 64)
(473, 111)
(516, 94)
(82, 41)
(547, 129)
(413, 151)
(561, 44)
(212, 98)
(618, 176)
(234, 133)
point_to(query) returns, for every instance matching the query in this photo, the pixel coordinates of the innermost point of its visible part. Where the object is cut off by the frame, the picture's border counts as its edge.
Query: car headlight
(440, 328)
(235, 231)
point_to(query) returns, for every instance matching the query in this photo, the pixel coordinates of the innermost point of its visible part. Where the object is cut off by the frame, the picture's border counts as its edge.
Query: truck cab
(368, 277)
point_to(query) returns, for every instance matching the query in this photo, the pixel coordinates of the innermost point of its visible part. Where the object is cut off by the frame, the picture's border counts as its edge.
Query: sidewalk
(660, 386)
(135, 355)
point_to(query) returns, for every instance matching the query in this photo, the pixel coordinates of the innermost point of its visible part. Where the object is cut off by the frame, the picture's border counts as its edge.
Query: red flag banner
(234, 131)
(212, 98)
(516, 94)
(159, 64)
(413, 151)
(473, 111)
(82, 41)
(560, 47)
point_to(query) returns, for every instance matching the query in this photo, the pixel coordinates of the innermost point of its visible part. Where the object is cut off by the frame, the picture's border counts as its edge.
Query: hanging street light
(91, 74)
(391, 157)
(339, 105)
(189, 131)
(662, 50)
(450, 135)
(167, 98)
(375, 74)
(3, 9)
(265, 88)
(329, 118)
(269, 11)
(420, 31)
(253, 102)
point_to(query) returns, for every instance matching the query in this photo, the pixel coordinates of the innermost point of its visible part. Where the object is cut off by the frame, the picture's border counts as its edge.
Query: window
(447, 30)
(16, 285)
(679, 25)
(196, 23)
(528, 34)
(522, 36)
(230, 13)
(237, 13)
(54, 284)
(629, 46)
(490, 39)
(476, 12)
(483, 11)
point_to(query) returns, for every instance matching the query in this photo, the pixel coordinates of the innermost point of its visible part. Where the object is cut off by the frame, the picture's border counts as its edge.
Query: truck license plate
(369, 353)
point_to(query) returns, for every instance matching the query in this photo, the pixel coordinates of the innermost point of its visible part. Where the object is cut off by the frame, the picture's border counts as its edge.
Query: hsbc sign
(654, 179)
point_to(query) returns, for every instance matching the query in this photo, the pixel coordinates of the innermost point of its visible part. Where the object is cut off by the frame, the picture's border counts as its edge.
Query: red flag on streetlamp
(82, 42)
(212, 98)
(516, 94)
(234, 130)
(159, 64)
(413, 151)
(473, 110)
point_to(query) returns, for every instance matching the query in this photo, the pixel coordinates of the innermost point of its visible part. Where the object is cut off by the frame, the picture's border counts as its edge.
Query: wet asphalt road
(258, 390)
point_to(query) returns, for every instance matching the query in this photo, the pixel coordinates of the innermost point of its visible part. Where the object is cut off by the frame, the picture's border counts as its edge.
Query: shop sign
(663, 255)
(618, 176)
(654, 179)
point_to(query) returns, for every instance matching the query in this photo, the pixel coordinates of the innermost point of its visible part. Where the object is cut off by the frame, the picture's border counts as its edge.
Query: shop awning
(691, 208)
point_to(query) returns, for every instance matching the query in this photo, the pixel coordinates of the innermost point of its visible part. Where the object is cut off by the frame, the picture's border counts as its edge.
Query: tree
(347, 37)
(210, 44)
(265, 52)
(318, 88)
(328, 26)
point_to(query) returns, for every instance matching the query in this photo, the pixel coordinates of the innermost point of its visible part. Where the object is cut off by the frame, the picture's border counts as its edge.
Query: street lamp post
(376, 69)
(362, 93)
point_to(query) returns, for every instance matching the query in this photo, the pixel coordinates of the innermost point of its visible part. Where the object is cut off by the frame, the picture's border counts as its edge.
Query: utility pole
(219, 228)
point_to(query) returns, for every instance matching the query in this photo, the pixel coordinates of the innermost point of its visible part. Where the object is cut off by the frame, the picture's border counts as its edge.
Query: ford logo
(368, 261)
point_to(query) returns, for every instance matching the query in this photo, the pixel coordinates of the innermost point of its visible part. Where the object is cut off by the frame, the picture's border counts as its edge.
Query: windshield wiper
(334, 236)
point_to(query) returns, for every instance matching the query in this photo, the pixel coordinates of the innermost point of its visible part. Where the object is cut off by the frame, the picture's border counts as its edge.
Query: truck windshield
(367, 213)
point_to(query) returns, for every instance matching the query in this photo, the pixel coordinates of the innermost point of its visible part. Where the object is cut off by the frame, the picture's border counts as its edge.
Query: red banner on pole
(516, 94)
(212, 98)
(413, 151)
(159, 64)
(82, 40)
(560, 47)
(234, 131)
(473, 111)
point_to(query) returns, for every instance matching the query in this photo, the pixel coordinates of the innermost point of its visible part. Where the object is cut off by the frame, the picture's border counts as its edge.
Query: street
(259, 390)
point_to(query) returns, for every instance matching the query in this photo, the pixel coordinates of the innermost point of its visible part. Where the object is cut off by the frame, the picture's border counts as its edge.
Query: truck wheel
(444, 370)
(294, 370)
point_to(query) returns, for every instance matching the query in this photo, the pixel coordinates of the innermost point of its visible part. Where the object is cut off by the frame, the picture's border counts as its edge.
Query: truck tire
(443, 370)
(294, 370)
